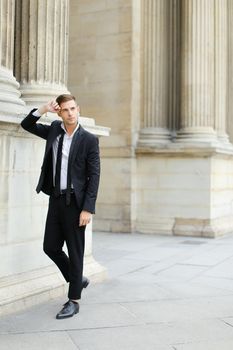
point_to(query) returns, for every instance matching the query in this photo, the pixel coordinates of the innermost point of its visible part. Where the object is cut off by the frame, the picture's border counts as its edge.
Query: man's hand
(52, 106)
(85, 218)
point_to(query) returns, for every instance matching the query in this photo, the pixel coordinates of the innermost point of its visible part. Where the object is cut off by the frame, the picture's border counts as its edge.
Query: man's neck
(70, 129)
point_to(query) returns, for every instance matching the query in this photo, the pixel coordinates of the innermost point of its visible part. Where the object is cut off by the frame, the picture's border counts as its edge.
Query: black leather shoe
(85, 282)
(70, 309)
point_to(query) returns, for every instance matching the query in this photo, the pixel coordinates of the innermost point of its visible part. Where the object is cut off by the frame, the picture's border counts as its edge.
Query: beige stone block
(116, 141)
(159, 226)
(116, 152)
(102, 225)
(119, 168)
(125, 20)
(106, 102)
(82, 50)
(221, 197)
(108, 211)
(147, 182)
(121, 226)
(223, 166)
(106, 70)
(193, 227)
(21, 257)
(147, 212)
(115, 4)
(204, 228)
(86, 6)
(116, 195)
(174, 165)
(221, 210)
(219, 181)
(117, 46)
(99, 23)
(182, 182)
(174, 197)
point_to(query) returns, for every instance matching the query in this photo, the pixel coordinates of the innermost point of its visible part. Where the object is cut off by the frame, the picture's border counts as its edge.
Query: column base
(10, 101)
(209, 228)
(197, 134)
(30, 288)
(224, 139)
(153, 136)
(24, 290)
(184, 190)
(36, 93)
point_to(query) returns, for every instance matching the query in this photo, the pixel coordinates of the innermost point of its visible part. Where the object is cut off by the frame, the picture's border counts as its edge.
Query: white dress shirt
(65, 153)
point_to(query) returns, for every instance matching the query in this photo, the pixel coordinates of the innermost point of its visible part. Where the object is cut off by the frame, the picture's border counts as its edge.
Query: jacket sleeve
(93, 175)
(29, 123)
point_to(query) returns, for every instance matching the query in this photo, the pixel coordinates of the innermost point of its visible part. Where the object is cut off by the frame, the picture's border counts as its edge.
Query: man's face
(69, 113)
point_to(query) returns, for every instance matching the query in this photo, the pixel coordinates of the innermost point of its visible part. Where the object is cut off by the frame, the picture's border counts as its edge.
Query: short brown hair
(64, 98)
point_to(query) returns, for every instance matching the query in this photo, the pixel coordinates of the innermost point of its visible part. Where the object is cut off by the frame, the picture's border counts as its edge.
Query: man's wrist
(42, 110)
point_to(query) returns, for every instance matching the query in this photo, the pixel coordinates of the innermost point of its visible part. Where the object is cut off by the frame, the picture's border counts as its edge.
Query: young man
(70, 176)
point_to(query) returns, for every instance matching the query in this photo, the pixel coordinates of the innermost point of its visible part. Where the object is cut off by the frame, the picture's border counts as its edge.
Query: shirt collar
(63, 127)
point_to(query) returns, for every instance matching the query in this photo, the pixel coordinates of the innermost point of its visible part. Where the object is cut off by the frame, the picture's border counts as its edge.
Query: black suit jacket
(84, 161)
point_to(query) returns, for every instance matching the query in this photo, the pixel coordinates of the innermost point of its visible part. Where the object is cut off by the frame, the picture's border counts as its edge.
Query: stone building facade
(159, 74)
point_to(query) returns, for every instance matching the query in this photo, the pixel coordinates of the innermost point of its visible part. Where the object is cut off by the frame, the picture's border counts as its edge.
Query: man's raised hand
(52, 106)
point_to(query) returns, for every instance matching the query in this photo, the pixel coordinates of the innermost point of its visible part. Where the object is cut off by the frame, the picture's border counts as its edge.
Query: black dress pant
(62, 225)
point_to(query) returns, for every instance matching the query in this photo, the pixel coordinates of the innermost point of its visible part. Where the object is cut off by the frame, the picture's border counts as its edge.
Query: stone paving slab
(130, 338)
(209, 345)
(162, 293)
(37, 341)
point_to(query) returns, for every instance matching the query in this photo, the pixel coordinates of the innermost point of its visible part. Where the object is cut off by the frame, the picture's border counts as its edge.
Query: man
(70, 176)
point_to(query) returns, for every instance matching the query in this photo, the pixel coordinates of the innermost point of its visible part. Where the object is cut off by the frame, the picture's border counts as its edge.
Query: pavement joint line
(79, 329)
(73, 341)
(100, 328)
(139, 269)
(126, 309)
(228, 324)
(199, 265)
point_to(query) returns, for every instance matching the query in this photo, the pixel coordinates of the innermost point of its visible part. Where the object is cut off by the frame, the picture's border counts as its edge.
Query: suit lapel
(56, 131)
(77, 138)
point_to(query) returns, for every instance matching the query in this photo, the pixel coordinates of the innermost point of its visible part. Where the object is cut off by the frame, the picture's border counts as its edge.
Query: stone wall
(135, 66)
(100, 75)
(33, 48)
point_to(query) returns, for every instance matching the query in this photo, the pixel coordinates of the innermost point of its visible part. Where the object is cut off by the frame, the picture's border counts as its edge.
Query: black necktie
(68, 188)
(57, 189)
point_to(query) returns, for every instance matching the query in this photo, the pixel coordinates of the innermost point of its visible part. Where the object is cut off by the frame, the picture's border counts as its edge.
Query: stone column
(197, 71)
(230, 72)
(155, 95)
(10, 102)
(221, 47)
(174, 66)
(41, 48)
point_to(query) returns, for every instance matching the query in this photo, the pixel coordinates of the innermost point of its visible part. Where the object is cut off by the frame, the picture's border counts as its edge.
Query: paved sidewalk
(162, 293)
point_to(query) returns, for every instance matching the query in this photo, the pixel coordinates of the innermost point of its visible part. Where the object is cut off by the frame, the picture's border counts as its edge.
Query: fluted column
(197, 71)
(155, 108)
(41, 48)
(10, 102)
(230, 71)
(174, 66)
(221, 49)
